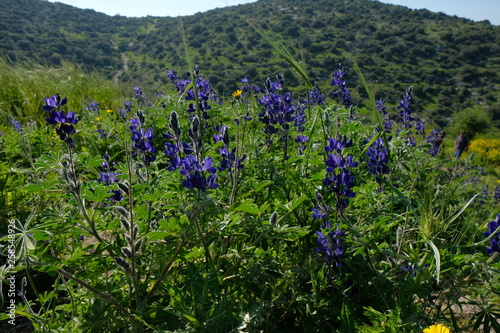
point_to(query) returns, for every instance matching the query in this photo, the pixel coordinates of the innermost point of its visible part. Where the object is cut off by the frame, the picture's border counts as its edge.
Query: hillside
(452, 63)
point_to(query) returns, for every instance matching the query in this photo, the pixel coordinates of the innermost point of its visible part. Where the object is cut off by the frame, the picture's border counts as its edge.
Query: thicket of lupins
(268, 212)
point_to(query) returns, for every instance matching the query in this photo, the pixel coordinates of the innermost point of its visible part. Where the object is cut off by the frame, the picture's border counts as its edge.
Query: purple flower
(142, 139)
(496, 196)
(205, 92)
(342, 93)
(17, 125)
(196, 173)
(377, 153)
(383, 111)
(127, 108)
(93, 106)
(54, 102)
(64, 121)
(108, 177)
(329, 243)
(315, 96)
(495, 240)
(338, 178)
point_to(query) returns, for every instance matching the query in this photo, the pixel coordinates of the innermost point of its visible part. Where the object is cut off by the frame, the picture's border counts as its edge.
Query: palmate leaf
(99, 193)
(89, 162)
(50, 162)
(247, 206)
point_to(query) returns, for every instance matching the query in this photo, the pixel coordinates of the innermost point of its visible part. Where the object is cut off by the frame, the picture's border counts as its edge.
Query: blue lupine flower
(302, 139)
(339, 179)
(278, 110)
(63, 121)
(342, 93)
(496, 196)
(379, 159)
(433, 138)
(110, 177)
(138, 92)
(228, 155)
(54, 102)
(381, 106)
(102, 133)
(315, 96)
(330, 244)
(127, 108)
(205, 92)
(142, 139)
(495, 240)
(382, 109)
(405, 110)
(17, 125)
(196, 173)
(93, 106)
(420, 128)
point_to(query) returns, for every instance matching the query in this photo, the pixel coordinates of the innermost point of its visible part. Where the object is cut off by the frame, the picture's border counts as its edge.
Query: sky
(477, 10)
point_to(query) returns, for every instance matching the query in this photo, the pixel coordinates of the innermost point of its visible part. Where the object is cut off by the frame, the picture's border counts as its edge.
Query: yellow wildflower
(487, 149)
(437, 329)
(237, 94)
(109, 111)
(98, 118)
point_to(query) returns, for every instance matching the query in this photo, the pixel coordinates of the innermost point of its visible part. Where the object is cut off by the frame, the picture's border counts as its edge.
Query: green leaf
(33, 188)
(156, 235)
(98, 194)
(437, 257)
(246, 206)
(296, 202)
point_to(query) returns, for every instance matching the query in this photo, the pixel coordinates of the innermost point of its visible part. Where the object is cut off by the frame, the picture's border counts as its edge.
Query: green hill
(453, 63)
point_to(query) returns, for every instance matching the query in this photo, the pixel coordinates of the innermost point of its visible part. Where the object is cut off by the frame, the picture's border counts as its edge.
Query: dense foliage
(453, 63)
(266, 212)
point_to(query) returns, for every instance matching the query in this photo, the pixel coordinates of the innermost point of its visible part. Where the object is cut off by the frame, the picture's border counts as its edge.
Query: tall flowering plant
(339, 179)
(200, 93)
(63, 121)
(142, 139)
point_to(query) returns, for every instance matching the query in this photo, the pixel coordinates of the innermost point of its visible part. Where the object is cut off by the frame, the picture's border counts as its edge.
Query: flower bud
(126, 252)
(125, 223)
(123, 264)
(123, 212)
(138, 245)
(274, 218)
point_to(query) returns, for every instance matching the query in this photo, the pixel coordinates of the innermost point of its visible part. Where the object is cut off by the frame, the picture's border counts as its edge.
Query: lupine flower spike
(63, 121)
(495, 240)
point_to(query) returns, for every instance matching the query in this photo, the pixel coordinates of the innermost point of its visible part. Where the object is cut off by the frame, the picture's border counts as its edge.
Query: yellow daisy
(437, 329)
(237, 94)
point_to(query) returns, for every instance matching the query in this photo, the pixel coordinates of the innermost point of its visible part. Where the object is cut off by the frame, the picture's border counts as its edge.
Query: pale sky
(476, 10)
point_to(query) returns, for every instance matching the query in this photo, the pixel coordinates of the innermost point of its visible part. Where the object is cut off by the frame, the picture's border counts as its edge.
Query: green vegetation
(301, 220)
(452, 63)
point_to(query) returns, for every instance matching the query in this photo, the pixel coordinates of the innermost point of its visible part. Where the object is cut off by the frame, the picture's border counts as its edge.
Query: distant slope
(452, 62)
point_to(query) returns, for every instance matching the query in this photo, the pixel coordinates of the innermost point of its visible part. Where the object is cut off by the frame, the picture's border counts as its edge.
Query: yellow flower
(237, 94)
(98, 118)
(109, 111)
(437, 329)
